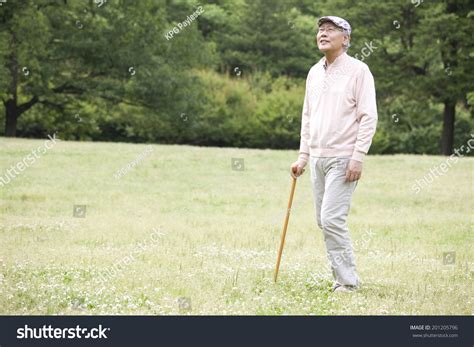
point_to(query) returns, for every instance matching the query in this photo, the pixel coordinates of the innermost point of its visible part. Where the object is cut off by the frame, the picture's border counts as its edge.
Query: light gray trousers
(332, 200)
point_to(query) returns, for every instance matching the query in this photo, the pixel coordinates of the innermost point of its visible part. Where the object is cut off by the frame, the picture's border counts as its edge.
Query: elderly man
(338, 122)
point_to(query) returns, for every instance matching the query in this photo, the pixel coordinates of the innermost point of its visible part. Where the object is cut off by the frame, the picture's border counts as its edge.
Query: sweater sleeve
(305, 134)
(366, 113)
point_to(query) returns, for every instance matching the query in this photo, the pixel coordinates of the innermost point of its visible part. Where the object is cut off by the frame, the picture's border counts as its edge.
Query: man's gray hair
(344, 45)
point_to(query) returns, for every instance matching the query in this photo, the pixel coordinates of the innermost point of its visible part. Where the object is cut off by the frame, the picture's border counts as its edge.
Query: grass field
(185, 232)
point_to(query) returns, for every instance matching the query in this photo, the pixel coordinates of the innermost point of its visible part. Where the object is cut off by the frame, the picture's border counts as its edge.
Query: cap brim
(326, 19)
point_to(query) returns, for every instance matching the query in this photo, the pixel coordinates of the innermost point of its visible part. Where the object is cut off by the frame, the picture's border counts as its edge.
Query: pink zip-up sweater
(339, 115)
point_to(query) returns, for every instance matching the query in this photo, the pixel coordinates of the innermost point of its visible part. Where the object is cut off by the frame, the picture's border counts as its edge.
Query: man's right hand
(296, 170)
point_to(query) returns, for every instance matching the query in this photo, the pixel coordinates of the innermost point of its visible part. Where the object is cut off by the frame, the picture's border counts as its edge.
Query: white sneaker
(343, 289)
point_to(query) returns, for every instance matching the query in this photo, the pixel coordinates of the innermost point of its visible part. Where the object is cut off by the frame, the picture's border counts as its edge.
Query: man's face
(330, 37)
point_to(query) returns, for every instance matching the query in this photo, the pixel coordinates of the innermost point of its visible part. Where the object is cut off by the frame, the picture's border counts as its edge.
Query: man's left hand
(354, 170)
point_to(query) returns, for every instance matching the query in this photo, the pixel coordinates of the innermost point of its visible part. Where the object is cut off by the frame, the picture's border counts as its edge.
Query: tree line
(234, 73)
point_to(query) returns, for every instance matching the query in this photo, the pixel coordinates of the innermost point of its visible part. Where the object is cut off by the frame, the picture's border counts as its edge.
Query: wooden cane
(283, 235)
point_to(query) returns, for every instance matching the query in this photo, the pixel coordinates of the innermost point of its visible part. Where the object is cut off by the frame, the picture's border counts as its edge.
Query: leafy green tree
(264, 35)
(63, 55)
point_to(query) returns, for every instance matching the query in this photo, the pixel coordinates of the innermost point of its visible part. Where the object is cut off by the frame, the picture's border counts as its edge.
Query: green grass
(220, 233)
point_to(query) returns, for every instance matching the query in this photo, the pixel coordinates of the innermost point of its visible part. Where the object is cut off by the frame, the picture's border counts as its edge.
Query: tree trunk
(450, 60)
(11, 117)
(447, 140)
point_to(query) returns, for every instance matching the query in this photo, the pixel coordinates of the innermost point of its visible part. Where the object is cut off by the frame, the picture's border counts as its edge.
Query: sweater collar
(339, 60)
